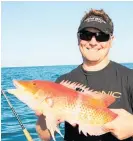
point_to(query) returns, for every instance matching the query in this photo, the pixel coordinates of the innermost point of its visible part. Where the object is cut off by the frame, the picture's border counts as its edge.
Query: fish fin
(99, 98)
(103, 97)
(92, 130)
(49, 101)
(79, 129)
(73, 85)
(59, 132)
(51, 124)
(83, 130)
(106, 98)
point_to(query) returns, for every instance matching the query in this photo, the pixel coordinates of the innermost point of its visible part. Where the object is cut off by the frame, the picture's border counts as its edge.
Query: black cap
(96, 22)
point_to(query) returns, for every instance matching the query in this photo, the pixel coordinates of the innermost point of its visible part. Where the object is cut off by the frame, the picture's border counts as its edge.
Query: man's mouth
(93, 49)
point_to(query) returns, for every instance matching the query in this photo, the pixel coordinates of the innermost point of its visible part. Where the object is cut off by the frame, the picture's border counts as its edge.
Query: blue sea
(10, 128)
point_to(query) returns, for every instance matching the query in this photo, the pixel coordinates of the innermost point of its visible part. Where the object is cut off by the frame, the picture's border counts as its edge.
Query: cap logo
(95, 19)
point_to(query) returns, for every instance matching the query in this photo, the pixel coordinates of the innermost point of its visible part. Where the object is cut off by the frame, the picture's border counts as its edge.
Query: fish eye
(34, 83)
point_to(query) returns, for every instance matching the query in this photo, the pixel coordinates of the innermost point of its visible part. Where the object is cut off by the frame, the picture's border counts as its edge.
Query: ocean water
(10, 129)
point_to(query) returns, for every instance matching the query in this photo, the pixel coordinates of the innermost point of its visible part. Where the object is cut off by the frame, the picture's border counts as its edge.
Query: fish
(62, 102)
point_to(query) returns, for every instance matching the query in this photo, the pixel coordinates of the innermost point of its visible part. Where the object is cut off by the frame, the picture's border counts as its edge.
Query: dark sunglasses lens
(102, 37)
(85, 35)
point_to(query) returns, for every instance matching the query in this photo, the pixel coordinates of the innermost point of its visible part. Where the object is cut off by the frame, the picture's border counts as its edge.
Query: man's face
(94, 50)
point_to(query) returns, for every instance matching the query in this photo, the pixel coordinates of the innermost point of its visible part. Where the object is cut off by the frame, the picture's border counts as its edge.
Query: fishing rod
(26, 133)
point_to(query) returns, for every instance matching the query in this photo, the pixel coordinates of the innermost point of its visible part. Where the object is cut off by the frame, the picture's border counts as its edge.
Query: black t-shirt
(114, 79)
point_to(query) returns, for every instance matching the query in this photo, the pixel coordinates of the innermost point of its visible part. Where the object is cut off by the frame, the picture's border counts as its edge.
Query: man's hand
(41, 127)
(122, 126)
(38, 113)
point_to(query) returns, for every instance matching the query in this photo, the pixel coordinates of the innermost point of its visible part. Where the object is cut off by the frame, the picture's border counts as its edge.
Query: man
(95, 36)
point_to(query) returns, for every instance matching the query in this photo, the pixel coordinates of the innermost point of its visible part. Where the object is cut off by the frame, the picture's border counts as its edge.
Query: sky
(44, 33)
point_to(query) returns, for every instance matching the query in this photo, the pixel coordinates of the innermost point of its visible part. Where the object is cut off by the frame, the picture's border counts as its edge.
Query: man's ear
(111, 40)
(112, 37)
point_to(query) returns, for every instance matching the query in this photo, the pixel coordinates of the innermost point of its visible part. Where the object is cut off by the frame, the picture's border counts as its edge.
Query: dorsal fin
(74, 85)
(107, 99)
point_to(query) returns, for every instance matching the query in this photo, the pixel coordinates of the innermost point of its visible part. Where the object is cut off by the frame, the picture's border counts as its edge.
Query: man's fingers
(38, 113)
(115, 110)
(74, 124)
(108, 127)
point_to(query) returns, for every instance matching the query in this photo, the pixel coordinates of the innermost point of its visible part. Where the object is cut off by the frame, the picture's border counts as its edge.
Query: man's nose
(93, 41)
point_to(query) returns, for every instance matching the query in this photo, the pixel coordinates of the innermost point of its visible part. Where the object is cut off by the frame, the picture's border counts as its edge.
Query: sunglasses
(99, 36)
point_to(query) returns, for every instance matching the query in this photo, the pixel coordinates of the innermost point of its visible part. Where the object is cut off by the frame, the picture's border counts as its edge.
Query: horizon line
(53, 65)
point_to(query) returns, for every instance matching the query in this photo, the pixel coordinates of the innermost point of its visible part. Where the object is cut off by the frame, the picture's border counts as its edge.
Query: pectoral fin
(49, 101)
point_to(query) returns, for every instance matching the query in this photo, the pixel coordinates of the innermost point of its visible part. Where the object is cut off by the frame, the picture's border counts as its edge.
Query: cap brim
(100, 26)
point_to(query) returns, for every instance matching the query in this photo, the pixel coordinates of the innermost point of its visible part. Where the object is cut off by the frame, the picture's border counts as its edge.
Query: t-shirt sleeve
(130, 88)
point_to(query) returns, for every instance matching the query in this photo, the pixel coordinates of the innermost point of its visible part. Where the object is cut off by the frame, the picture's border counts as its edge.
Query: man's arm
(42, 130)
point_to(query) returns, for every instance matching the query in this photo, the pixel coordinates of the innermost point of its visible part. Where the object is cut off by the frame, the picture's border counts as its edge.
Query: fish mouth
(18, 85)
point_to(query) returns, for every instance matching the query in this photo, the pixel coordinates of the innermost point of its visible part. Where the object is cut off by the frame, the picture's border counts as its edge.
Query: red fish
(60, 101)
